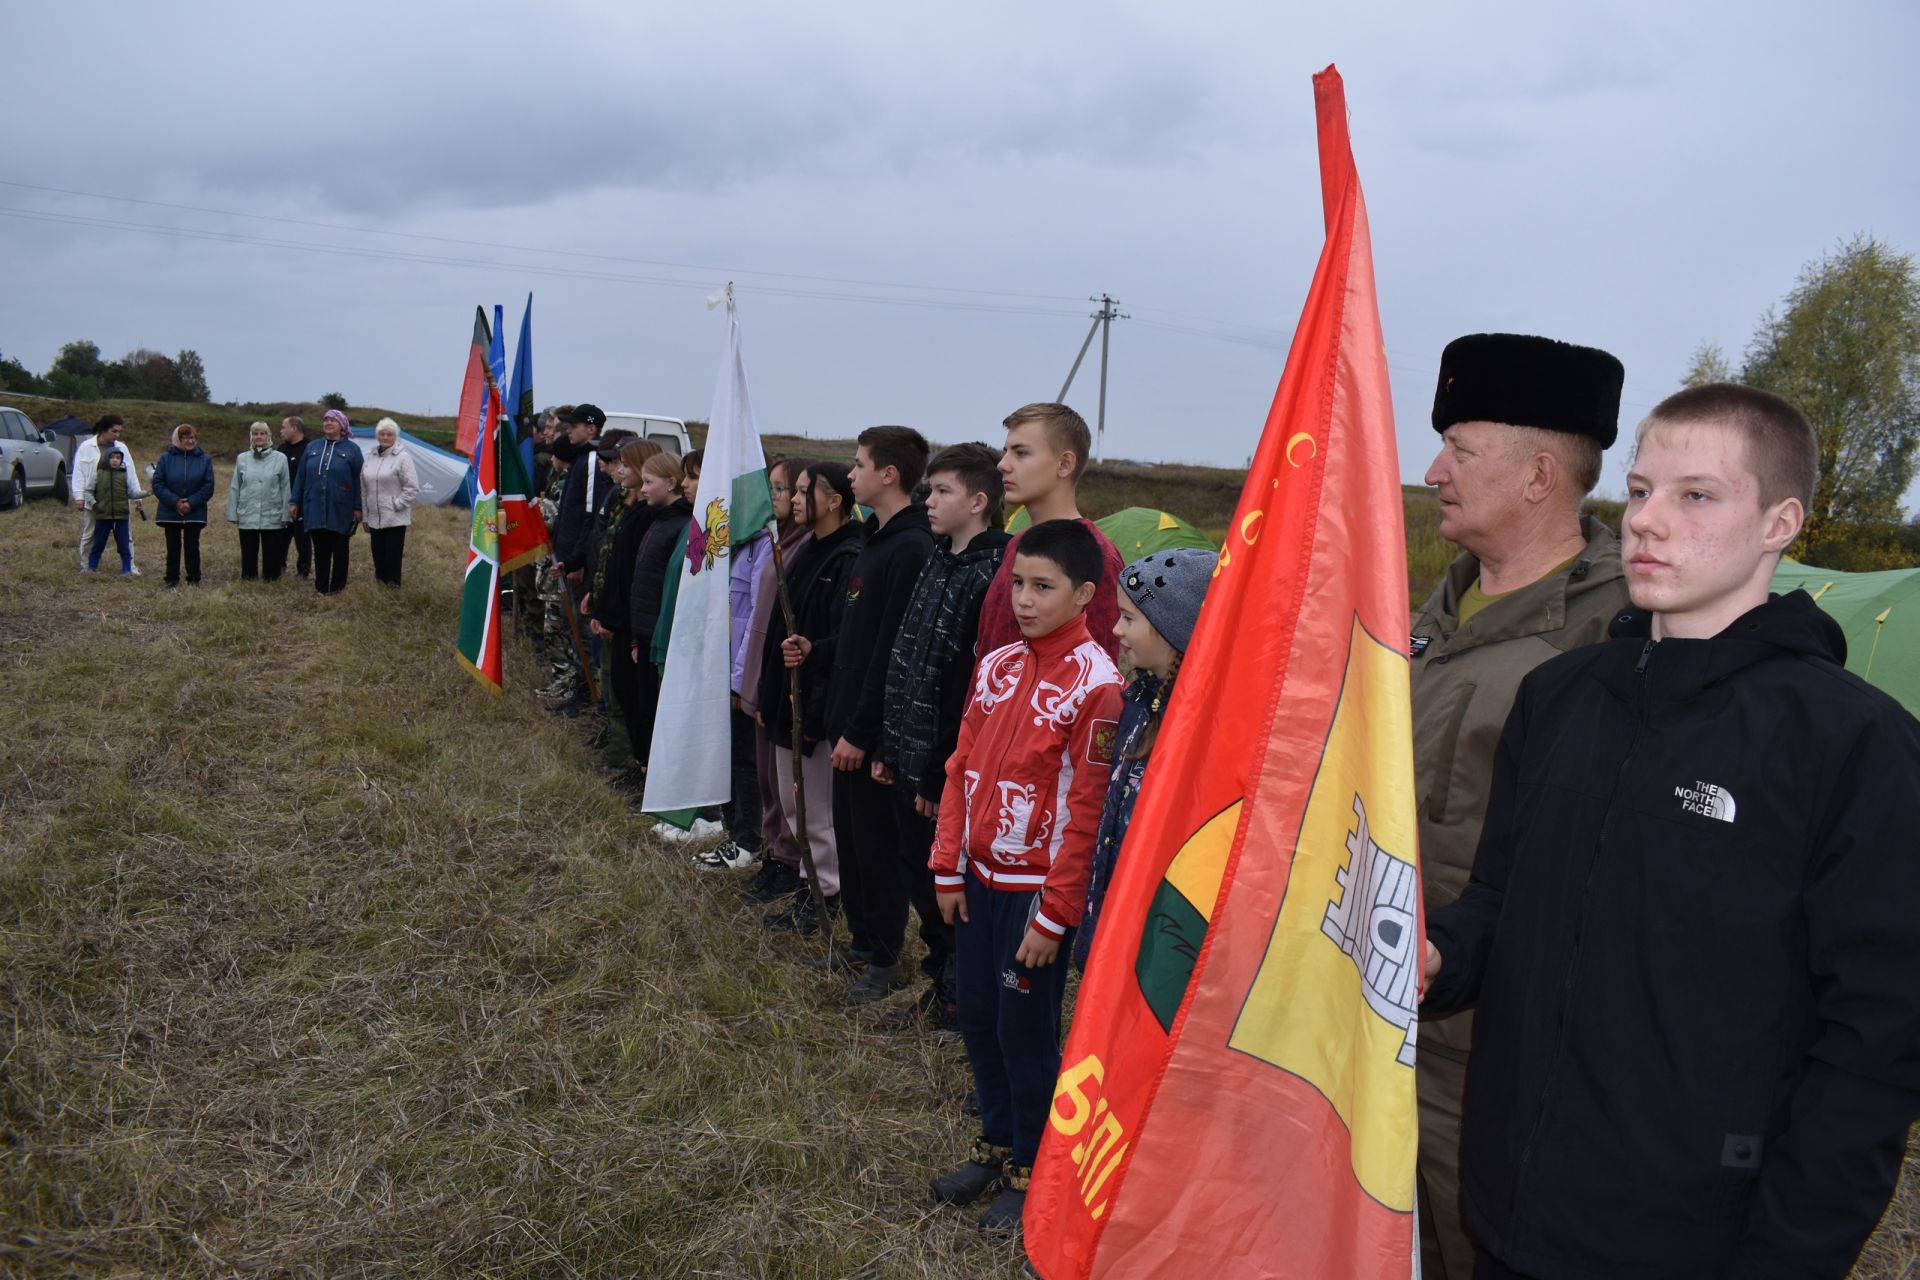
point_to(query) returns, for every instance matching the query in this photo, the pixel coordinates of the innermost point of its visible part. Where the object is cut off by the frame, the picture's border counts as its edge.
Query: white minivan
(669, 433)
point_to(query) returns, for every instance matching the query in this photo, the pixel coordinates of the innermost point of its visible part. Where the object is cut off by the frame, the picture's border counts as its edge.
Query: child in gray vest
(116, 495)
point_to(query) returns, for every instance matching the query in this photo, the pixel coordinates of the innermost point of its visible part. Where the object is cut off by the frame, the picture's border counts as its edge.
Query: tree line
(79, 372)
(1844, 349)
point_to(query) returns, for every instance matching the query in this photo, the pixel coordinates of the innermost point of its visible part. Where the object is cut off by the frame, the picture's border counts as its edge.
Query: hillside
(1204, 496)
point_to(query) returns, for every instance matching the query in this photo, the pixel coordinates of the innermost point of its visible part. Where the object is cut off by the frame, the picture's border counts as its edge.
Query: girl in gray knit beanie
(1160, 597)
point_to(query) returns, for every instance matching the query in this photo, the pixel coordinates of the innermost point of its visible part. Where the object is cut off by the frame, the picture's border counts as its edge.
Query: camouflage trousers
(563, 662)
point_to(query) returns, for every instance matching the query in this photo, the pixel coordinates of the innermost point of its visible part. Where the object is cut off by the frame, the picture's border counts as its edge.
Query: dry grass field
(322, 962)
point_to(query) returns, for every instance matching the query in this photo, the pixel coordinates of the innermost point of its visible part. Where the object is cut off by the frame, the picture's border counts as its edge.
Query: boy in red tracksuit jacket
(1012, 852)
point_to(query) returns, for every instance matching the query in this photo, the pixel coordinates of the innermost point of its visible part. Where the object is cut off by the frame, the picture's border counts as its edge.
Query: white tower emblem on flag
(1372, 921)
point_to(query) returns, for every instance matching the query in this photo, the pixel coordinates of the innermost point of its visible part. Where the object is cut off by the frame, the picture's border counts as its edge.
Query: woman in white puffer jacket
(388, 488)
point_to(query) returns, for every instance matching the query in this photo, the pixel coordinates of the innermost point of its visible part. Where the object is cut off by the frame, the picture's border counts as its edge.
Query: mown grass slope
(323, 962)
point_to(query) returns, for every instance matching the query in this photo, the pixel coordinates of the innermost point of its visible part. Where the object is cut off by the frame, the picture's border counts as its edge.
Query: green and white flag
(691, 762)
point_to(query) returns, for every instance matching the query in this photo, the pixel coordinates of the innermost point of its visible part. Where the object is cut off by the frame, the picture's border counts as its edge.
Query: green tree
(1709, 365)
(15, 376)
(147, 375)
(1845, 351)
(191, 376)
(334, 400)
(79, 361)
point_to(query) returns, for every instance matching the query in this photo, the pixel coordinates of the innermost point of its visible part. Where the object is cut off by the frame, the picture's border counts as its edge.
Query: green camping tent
(1880, 613)
(1137, 531)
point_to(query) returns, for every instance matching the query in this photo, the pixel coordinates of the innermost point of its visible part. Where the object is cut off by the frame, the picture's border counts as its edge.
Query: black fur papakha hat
(1525, 381)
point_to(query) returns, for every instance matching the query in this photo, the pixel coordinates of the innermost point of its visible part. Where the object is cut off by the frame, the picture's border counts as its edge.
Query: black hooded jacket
(611, 564)
(1693, 937)
(817, 584)
(651, 566)
(877, 596)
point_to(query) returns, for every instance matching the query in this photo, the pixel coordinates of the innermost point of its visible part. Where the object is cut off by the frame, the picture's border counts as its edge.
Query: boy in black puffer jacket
(928, 674)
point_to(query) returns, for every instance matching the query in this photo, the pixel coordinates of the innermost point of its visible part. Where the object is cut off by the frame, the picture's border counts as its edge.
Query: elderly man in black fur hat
(1523, 421)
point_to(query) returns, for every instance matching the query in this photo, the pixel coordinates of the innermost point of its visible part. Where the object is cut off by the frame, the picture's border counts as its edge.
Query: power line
(574, 273)
(521, 248)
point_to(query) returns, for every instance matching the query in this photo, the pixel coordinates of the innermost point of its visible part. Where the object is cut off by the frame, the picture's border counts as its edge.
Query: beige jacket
(388, 487)
(1464, 682)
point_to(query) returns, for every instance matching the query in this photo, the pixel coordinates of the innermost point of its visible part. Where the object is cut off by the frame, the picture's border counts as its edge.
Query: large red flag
(1237, 1089)
(473, 387)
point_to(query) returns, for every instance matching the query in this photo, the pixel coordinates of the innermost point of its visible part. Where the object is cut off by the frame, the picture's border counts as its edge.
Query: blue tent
(444, 475)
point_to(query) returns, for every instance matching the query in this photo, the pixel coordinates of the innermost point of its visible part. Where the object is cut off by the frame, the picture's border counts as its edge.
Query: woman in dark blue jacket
(326, 496)
(182, 486)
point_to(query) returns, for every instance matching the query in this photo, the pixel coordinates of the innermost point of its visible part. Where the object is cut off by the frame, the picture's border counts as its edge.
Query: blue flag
(520, 390)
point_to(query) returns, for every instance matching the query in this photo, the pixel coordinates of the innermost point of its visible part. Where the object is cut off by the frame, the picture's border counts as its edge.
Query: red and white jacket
(1026, 782)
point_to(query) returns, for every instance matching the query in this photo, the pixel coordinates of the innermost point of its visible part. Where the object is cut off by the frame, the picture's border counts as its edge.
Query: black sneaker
(938, 1008)
(1004, 1214)
(803, 917)
(984, 1172)
(774, 881)
(877, 983)
(841, 958)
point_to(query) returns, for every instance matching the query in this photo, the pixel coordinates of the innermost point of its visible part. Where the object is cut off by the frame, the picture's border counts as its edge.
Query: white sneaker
(703, 830)
(726, 856)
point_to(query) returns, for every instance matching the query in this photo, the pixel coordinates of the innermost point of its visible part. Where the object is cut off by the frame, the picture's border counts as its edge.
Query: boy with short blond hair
(1691, 928)
(1046, 454)
(1012, 851)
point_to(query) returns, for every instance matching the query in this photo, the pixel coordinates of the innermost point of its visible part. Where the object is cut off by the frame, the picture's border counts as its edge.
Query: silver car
(28, 464)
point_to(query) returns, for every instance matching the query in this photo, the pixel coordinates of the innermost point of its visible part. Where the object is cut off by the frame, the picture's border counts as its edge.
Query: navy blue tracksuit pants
(1009, 1017)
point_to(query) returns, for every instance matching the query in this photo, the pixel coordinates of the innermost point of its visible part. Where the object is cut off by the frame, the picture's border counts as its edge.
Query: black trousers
(387, 547)
(1009, 1017)
(883, 870)
(183, 541)
(303, 545)
(623, 689)
(743, 813)
(263, 553)
(329, 560)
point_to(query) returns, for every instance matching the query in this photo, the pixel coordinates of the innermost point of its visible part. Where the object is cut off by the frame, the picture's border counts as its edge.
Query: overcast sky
(1642, 177)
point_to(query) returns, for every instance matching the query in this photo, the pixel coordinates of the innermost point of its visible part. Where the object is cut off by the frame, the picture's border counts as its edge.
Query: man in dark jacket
(1691, 929)
(873, 833)
(293, 444)
(1523, 422)
(584, 497)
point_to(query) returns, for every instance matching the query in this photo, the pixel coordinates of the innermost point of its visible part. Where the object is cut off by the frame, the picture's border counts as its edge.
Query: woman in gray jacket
(388, 487)
(257, 499)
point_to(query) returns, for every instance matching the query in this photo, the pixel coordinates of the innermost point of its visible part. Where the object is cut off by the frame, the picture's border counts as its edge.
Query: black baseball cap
(587, 413)
(611, 441)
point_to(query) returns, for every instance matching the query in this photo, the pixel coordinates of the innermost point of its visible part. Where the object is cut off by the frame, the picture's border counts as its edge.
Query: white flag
(691, 763)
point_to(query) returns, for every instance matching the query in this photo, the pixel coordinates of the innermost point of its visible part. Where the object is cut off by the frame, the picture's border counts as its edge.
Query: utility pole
(1103, 325)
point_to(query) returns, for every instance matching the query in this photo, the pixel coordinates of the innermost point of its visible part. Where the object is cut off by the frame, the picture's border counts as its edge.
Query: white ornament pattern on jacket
(1016, 814)
(1054, 706)
(999, 677)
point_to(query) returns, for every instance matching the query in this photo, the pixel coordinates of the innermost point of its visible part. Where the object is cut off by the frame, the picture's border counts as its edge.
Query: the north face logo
(1707, 800)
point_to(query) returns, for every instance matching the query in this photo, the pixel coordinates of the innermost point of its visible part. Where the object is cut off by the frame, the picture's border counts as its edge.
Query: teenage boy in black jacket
(928, 676)
(1694, 919)
(887, 464)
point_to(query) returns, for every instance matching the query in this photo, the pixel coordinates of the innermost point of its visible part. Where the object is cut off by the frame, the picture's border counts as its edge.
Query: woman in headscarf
(388, 488)
(257, 500)
(182, 486)
(327, 498)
